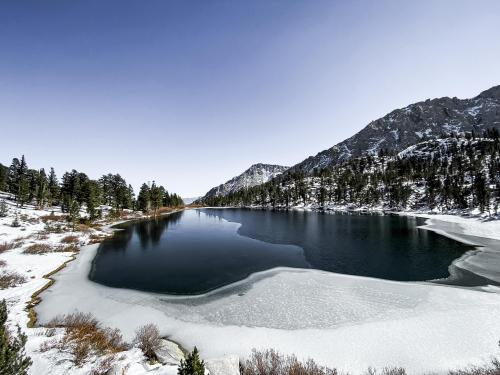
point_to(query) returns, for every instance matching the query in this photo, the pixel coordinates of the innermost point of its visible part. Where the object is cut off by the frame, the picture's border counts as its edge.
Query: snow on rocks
(169, 353)
(228, 365)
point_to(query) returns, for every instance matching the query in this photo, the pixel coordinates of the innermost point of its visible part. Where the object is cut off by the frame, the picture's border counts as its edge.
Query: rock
(169, 353)
(227, 365)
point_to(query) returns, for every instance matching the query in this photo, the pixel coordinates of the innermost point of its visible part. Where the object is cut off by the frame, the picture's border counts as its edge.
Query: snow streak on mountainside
(255, 175)
(415, 123)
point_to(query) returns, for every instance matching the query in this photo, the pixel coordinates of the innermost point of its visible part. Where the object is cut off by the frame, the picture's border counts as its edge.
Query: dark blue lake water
(196, 251)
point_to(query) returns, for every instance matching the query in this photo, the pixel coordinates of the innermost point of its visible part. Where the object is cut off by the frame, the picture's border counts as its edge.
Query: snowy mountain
(449, 175)
(189, 200)
(415, 123)
(255, 175)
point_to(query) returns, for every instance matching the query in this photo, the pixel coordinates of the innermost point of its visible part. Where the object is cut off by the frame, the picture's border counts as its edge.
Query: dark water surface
(196, 251)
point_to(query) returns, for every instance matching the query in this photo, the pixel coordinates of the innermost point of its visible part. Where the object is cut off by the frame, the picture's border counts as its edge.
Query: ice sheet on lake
(344, 321)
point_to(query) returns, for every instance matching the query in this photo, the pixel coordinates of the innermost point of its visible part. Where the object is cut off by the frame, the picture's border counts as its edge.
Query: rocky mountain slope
(255, 175)
(415, 123)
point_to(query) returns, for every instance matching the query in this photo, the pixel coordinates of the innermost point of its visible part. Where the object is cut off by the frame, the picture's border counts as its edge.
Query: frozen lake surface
(196, 251)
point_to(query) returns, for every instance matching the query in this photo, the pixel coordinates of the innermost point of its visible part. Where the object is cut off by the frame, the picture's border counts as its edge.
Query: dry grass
(70, 239)
(84, 337)
(148, 339)
(84, 228)
(96, 238)
(492, 369)
(4, 246)
(42, 236)
(53, 217)
(38, 248)
(68, 249)
(270, 362)
(11, 279)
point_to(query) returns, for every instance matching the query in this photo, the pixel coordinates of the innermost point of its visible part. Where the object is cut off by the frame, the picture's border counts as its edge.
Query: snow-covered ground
(33, 267)
(343, 321)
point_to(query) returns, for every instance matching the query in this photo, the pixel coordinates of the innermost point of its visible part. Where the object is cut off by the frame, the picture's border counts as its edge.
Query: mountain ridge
(400, 128)
(256, 174)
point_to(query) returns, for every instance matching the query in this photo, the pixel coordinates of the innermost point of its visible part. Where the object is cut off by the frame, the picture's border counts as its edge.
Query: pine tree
(74, 212)
(13, 176)
(23, 191)
(4, 174)
(54, 190)
(13, 360)
(144, 198)
(156, 197)
(92, 199)
(3, 208)
(42, 189)
(192, 365)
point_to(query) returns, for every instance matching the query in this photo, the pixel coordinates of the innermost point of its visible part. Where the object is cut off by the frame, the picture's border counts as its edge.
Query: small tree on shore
(74, 212)
(3, 208)
(13, 360)
(192, 365)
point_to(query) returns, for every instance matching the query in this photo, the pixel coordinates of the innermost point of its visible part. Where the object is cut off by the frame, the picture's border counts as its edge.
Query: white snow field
(347, 322)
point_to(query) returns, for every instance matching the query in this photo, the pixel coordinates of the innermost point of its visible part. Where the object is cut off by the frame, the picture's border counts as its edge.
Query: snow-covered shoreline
(394, 323)
(354, 310)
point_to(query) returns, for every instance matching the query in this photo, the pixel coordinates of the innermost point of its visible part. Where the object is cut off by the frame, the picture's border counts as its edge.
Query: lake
(195, 251)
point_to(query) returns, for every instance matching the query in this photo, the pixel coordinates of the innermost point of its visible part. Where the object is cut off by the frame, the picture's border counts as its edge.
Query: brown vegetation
(70, 239)
(96, 238)
(270, 362)
(84, 336)
(68, 249)
(53, 217)
(11, 279)
(148, 340)
(492, 369)
(4, 246)
(38, 248)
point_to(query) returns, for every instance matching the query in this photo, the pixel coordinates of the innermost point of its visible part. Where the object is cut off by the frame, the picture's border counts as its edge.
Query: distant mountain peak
(256, 174)
(492, 93)
(401, 128)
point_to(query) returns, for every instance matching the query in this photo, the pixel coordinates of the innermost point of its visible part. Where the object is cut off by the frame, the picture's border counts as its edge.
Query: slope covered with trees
(76, 191)
(453, 173)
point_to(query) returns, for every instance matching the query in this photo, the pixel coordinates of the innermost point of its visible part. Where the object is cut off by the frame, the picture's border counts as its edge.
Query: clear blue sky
(191, 93)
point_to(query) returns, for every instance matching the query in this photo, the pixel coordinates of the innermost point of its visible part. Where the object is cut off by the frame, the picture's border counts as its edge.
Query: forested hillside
(417, 122)
(458, 172)
(77, 191)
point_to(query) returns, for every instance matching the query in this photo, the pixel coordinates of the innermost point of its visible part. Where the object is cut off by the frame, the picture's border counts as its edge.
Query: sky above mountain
(191, 93)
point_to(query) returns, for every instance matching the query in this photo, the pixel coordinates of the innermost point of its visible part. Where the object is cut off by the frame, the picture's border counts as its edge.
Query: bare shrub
(148, 339)
(386, 371)
(96, 238)
(68, 249)
(273, 362)
(70, 239)
(492, 369)
(53, 217)
(42, 236)
(84, 336)
(104, 366)
(3, 263)
(4, 246)
(38, 248)
(11, 279)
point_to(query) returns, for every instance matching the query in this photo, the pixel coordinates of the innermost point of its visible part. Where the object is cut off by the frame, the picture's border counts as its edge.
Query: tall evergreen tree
(144, 198)
(13, 359)
(53, 188)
